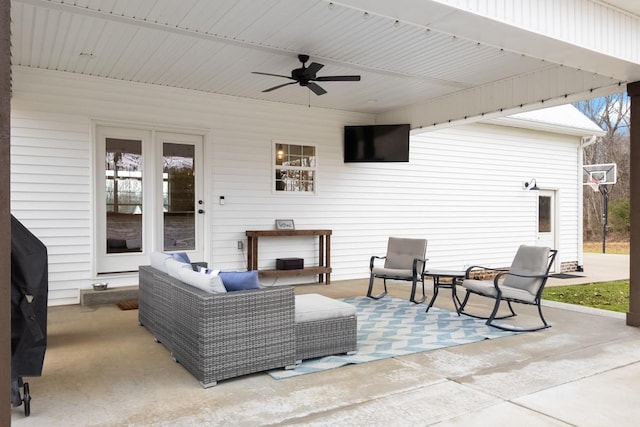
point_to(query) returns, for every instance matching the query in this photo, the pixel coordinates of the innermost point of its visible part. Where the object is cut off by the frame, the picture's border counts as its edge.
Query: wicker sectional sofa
(216, 336)
(219, 330)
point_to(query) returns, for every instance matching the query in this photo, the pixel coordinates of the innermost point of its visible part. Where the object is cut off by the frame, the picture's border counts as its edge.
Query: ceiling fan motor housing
(299, 75)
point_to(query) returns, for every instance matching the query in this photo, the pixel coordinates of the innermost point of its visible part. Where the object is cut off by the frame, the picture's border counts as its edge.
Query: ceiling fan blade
(279, 86)
(316, 89)
(274, 75)
(312, 69)
(338, 79)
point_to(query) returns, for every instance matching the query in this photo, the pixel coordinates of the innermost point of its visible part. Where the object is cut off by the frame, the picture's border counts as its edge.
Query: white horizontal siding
(475, 197)
(462, 189)
(51, 194)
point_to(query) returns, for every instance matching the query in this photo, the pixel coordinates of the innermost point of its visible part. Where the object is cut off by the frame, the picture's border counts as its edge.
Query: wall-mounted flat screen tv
(376, 143)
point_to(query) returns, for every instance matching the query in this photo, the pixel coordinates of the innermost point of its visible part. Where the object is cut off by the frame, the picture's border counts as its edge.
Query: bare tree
(612, 114)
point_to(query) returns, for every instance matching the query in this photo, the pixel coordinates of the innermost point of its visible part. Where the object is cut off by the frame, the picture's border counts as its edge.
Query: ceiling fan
(306, 76)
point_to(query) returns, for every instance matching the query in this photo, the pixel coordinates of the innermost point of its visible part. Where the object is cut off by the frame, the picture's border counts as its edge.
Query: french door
(148, 196)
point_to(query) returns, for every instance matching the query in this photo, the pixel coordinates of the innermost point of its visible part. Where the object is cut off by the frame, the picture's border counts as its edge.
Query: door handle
(200, 211)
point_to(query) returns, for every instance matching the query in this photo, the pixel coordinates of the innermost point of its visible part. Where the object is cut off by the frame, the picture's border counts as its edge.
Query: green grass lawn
(607, 295)
(612, 296)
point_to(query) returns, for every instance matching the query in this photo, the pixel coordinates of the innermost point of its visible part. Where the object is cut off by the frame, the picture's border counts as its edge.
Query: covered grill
(29, 289)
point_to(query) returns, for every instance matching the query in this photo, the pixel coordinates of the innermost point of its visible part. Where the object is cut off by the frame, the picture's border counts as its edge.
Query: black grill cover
(29, 289)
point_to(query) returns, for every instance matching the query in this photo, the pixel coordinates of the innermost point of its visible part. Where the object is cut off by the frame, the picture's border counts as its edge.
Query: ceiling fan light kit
(306, 76)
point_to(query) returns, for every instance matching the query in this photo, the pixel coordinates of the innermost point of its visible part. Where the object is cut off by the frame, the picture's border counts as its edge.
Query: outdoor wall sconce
(531, 185)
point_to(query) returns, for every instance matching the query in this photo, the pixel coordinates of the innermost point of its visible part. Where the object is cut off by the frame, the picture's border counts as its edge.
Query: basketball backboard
(601, 174)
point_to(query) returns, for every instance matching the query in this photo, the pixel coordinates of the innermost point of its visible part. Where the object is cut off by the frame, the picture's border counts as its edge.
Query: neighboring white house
(462, 189)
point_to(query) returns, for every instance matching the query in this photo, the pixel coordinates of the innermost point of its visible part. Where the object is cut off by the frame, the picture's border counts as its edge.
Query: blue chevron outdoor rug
(392, 327)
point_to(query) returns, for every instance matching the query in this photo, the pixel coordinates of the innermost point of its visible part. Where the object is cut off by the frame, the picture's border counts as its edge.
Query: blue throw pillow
(182, 257)
(239, 280)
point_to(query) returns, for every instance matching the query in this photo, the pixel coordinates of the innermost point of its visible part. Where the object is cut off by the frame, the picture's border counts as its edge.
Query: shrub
(619, 215)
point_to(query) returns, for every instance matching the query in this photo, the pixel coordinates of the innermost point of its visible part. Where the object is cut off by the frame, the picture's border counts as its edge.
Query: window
(295, 167)
(544, 214)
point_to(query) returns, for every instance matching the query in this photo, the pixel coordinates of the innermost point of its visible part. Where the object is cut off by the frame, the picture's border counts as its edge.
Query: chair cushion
(401, 252)
(519, 294)
(485, 287)
(392, 273)
(134, 243)
(529, 260)
(313, 307)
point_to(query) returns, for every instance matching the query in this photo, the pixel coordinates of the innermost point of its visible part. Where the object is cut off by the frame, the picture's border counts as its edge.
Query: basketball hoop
(598, 177)
(594, 184)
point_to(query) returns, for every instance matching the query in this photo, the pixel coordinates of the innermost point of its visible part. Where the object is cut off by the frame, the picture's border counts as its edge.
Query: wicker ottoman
(324, 326)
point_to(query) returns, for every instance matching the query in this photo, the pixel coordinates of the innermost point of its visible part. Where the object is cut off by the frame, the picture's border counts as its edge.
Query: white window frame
(311, 166)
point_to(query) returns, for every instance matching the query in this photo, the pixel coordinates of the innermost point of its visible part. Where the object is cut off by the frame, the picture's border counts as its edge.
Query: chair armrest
(416, 273)
(473, 267)
(373, 258)
(531, 276)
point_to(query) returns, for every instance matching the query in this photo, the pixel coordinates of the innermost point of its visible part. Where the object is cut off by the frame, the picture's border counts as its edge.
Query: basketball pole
(605, 215)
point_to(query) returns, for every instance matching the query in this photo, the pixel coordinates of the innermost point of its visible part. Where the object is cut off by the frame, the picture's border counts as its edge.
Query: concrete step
(90, 297)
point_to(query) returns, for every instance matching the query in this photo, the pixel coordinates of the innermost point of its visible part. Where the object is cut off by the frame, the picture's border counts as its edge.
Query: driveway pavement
(597, 268)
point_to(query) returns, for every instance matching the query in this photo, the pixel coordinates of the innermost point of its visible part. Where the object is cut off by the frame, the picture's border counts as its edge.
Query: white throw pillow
(174, 267)
(207, 282)
(158, 259)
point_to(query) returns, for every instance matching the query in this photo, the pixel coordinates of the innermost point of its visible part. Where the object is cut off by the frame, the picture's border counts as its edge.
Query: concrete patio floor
(102, 369)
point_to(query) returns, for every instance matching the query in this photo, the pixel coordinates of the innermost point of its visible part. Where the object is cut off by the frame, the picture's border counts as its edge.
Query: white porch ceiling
(212, 46)
(631, 6)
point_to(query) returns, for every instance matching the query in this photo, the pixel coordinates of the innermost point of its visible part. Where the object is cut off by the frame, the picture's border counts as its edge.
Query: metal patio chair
(522, 283)
(405, 260)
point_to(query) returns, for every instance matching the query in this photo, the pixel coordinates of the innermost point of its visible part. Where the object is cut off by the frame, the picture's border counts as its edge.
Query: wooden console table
(323, 269)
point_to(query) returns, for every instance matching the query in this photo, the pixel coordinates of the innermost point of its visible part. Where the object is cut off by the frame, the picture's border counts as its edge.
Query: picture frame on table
(285, 224)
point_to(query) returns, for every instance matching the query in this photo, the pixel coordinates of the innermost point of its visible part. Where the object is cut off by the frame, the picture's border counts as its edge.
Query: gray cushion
(134, 243)
(392, 272)
(312, 307)
(401, 252)
(529, 261)
(485, 287)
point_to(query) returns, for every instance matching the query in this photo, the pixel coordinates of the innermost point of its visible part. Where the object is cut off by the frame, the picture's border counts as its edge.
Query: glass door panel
(123, 214)
(544, 214)
(178, 196)
(123, 190)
